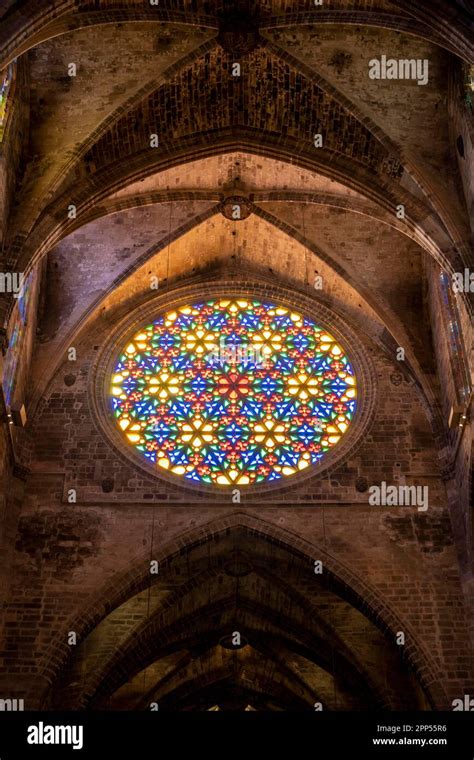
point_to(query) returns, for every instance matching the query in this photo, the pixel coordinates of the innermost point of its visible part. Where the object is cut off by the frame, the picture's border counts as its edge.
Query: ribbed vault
(128, 172)
(304, 637)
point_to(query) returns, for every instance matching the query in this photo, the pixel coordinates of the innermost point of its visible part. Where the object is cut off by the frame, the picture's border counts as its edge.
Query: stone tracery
(236, 193)
(265, 403)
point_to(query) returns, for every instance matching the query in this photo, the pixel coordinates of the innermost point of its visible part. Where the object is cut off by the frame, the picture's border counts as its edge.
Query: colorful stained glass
(233, 391)
(16, 333)
(6, 78)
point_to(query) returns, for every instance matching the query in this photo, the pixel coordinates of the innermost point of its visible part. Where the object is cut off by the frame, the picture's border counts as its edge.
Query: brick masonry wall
(65, 553)
(64, 565)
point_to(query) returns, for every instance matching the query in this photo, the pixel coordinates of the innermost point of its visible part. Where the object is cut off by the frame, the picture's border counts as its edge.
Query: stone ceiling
(168, 71)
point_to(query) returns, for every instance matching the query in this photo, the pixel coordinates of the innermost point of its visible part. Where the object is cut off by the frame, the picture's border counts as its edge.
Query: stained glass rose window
(233, 391)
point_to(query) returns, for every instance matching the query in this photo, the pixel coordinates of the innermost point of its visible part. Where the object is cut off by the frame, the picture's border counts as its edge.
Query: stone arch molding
(92, 197)
(319, 312)
(136, 577)
(37, 23)
(385, 315)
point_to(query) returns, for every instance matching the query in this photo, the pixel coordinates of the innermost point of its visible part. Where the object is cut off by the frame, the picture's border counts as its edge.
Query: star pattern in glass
(233, 391)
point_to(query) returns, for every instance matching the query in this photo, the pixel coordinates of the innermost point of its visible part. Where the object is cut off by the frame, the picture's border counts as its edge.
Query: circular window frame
(324, 317)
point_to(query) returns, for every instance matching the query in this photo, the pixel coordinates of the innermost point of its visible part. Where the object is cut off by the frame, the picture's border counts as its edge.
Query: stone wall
(65, 553)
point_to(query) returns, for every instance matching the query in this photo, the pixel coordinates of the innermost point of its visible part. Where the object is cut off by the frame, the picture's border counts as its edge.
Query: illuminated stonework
(233, 391)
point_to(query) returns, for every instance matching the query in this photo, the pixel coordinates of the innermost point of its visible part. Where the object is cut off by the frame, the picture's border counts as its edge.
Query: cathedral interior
(236, 362)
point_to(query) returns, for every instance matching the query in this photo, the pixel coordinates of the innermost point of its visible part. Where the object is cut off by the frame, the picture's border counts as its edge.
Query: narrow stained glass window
(6, 78)
(15, 346)
(233, 391)
(459, 363)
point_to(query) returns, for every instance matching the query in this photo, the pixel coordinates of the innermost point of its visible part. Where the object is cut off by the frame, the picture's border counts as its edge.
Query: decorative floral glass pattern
(233, 391)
